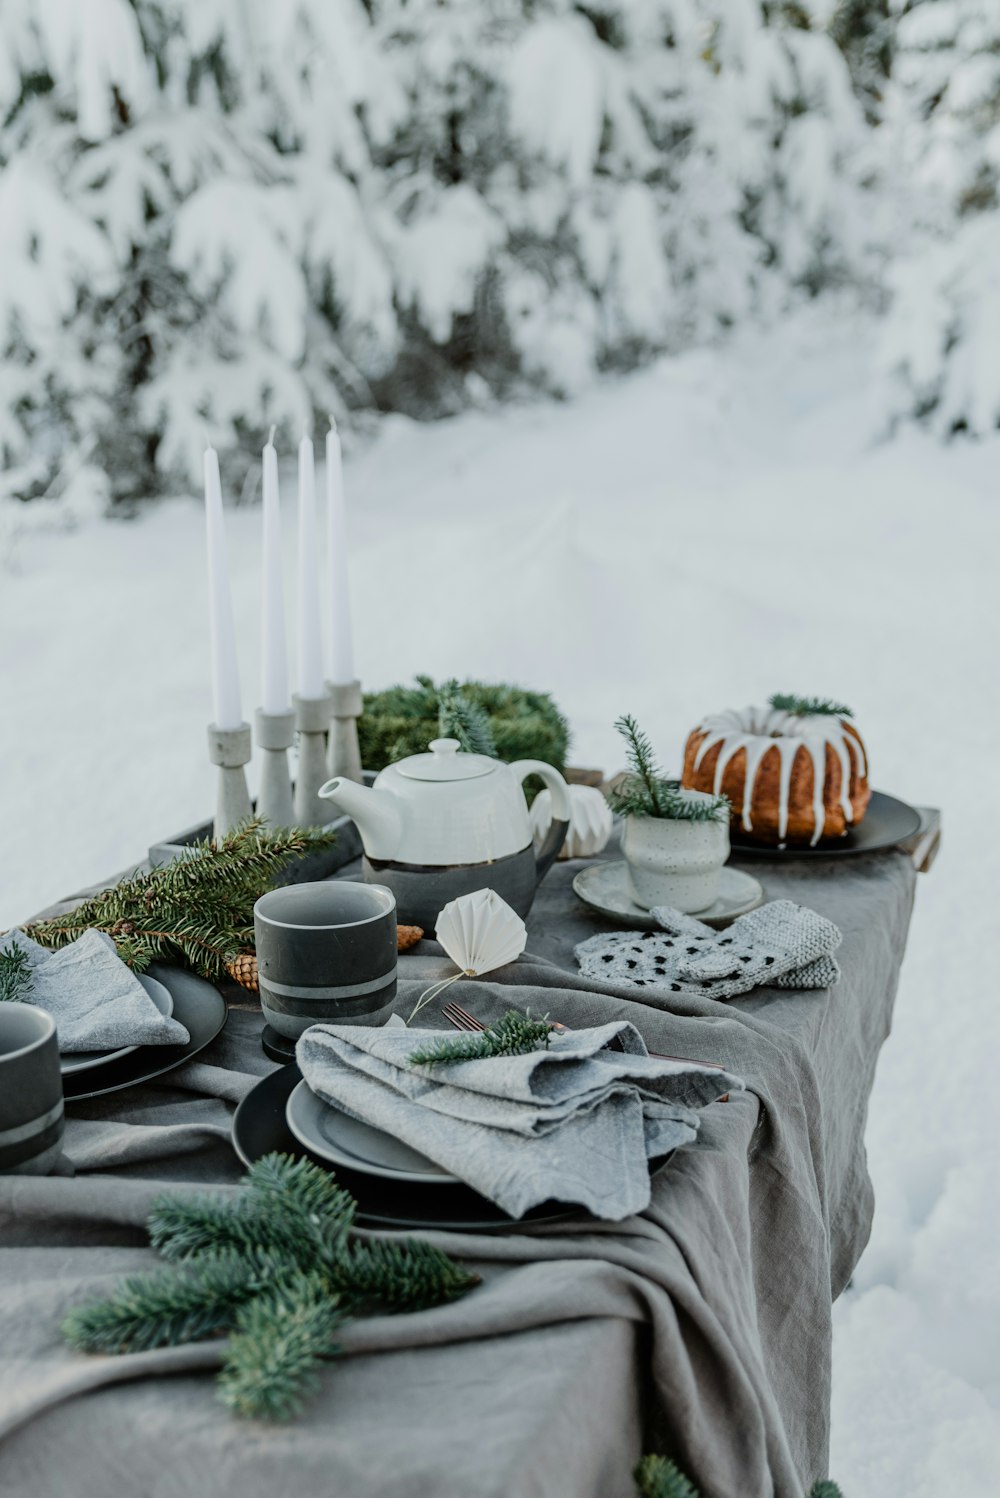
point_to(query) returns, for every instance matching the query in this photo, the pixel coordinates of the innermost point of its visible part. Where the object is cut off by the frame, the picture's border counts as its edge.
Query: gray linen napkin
(782, 944)
(575, 1123)
(97, 1002)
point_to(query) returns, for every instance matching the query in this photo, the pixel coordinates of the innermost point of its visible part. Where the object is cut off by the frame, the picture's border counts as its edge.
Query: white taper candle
(310, 683)
(341, 641)
(274, 696)
(225, 669)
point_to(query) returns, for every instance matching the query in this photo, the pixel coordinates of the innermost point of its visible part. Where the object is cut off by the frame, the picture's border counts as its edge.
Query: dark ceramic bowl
(326, 953)
(31, 1094)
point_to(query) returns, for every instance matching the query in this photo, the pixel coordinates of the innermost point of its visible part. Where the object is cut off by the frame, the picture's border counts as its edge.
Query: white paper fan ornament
(590, 821)
(480, 932)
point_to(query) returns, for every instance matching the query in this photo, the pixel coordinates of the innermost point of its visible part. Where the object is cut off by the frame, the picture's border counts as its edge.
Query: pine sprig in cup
(647, 792)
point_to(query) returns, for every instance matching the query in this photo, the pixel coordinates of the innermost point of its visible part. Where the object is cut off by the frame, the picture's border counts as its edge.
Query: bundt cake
(795, 771)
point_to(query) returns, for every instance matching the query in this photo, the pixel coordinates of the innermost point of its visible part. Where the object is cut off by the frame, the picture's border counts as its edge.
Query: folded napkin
(575, 1123)
(97, 1002)
(782, 944)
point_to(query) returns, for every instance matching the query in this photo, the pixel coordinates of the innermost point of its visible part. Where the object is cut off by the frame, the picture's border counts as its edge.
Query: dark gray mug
(31, 1093)
(326, 953)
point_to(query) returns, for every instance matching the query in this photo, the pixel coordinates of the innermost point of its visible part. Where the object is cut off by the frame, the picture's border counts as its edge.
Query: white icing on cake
(758, 729)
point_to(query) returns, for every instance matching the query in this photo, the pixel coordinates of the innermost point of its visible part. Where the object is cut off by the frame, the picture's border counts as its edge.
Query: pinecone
(243, 969)
(407, 937)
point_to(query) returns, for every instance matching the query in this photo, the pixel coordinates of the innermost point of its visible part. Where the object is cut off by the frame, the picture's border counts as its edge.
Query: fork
(461, 1019)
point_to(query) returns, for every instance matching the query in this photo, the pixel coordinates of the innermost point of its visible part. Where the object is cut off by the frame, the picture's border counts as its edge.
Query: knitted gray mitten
(782, 944)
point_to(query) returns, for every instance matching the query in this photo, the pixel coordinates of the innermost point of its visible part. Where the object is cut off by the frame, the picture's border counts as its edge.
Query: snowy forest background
(706, 294)
(216, 215)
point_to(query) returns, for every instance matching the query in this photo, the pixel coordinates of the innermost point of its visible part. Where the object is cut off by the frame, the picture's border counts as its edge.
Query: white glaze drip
(758, 729)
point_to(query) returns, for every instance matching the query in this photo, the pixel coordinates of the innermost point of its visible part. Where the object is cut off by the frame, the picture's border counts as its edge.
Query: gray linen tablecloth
(701, 1328)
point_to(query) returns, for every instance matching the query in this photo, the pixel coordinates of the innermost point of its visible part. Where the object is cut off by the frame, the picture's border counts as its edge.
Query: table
(701, 1328)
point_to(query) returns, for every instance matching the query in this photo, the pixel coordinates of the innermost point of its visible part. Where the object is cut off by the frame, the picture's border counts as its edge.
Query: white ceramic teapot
(445, 823)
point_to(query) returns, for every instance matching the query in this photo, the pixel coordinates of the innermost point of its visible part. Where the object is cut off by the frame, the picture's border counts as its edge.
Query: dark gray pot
(422, 890)
(326, 953)
(31, 1094)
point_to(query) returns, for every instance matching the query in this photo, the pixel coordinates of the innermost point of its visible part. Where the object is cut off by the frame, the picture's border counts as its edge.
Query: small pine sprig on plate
(646, 791)
(277, 1269)
(809, 707)
(513, 1034)
(16, 982)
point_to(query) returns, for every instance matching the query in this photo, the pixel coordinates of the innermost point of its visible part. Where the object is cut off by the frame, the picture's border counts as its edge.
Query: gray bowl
(31, 1094)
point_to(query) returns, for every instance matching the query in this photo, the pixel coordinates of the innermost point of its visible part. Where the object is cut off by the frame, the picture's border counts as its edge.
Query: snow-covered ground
(722, 526)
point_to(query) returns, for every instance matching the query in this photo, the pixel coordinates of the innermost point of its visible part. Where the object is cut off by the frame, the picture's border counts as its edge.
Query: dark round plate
(202, 1011)
(886, 823)
(259, 1127)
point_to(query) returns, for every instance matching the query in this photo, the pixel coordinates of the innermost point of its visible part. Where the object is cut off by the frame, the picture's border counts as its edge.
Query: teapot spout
(375, 814)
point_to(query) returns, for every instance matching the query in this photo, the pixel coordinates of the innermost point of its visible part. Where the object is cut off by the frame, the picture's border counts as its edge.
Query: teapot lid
(446, 762)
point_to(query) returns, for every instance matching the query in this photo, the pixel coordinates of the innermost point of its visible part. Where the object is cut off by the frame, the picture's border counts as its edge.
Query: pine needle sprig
(198, 909)
(271, 1364)
(659, 1477)
(16, 982)
(460, 718)
(276, 1268)
(513, 1034)
(646, 792)
(168, 1307)
(809, 707)
(397, 1275)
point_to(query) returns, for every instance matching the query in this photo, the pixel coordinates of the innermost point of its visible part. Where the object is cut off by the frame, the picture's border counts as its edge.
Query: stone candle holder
(344, 755)
(275, 734)
(230, 749)
(312, 719)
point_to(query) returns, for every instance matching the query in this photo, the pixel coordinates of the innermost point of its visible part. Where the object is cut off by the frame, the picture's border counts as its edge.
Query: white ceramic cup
(675, 863)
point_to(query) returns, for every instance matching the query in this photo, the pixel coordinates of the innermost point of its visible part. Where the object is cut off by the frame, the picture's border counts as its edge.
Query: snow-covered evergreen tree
(944, 327)
(218, 214)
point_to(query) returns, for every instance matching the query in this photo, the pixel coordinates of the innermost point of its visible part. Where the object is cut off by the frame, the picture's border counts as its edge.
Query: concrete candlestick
(230, 749)
(312, 719)
(344, 755)
(275, 736)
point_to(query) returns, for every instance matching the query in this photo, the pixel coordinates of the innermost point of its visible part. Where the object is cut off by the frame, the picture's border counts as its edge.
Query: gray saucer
(607, 888)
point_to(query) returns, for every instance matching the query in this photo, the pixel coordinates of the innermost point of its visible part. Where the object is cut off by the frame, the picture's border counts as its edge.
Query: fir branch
(513, 1034)
(169, 1307)
(658, 1477)
(398, 1275)
(277, 1268)
(198, 909)
(16, 982)
(825, 1489)
(466, 721)
(271, 1364)
(809, 707)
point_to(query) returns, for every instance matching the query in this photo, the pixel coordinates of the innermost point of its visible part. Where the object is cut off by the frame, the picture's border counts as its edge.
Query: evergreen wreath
(646, 792)
(658, 1477)
(809, 707)
(504, 721)
(513, 1034)
(198, 909)
(278, 1270)
(16, 982)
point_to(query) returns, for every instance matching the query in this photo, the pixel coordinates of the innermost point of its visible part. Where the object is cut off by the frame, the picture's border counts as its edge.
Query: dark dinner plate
(259, 1127)
(887, 822)
(202, 1011)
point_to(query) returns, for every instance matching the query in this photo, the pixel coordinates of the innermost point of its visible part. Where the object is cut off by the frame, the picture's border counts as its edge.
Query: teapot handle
(559, 826)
